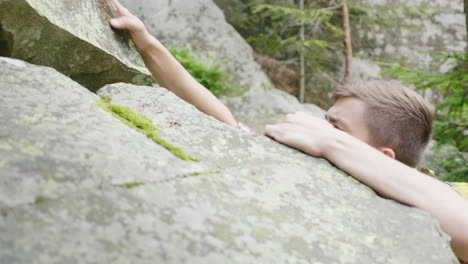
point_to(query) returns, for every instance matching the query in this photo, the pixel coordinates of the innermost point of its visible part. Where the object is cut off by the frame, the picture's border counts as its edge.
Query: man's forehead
(347, 105)
(348, 111)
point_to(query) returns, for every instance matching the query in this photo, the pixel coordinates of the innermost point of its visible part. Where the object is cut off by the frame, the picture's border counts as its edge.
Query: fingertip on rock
(115, 22)
(267, 129)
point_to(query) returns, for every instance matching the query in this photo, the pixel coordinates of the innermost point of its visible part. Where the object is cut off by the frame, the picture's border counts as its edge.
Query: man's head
(386, 115)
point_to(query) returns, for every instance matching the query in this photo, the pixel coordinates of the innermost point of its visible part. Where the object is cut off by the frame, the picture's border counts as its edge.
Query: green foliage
(212, 77)
(204, 173)
(451, 125)
(142, 124)
(274, 30)
(292, 14)
(272, 42)
(281, 25)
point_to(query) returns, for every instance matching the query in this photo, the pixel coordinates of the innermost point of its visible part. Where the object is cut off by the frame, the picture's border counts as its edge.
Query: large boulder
(74, 37)
(55, 142)
(80, 186)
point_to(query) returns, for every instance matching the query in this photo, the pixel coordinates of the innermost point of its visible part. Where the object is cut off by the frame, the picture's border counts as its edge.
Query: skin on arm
(388, 177)
(167, 70)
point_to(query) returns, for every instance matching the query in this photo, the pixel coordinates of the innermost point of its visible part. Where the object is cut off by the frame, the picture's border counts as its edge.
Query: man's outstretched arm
(167, 70)
(388, 177)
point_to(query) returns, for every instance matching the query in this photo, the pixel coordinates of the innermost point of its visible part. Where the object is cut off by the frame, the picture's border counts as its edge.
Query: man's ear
(388, 151)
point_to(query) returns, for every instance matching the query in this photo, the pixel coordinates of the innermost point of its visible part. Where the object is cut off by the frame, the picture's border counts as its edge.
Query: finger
(127, 23)
(120, 8)
(277, 131)
(270, 130)
(288, 118)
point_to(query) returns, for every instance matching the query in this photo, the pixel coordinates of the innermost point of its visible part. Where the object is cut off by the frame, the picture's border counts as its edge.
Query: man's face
(347, 114)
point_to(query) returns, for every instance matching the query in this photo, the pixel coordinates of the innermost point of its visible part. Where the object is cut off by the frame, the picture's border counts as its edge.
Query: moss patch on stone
(130, 185)
(204, 173)
(142, 124)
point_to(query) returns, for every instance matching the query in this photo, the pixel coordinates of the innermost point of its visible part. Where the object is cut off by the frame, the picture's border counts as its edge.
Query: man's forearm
(171, 74)
(397, 181)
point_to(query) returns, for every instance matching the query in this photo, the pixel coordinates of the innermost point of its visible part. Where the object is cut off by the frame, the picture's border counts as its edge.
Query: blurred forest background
(300, 44)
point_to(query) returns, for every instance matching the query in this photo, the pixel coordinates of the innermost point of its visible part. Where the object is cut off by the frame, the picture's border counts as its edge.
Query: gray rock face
(249, 200)
(200, 26)
(55, 141)
(74, 37)
(444, 29)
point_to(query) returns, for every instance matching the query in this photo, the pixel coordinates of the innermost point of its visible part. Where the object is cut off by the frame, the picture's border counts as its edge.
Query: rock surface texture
(74, 37)
(79, 186)
(413, 37)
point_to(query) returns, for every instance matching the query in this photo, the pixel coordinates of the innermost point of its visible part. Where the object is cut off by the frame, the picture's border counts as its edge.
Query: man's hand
(302, 119)
(304, 132)
(127, 21)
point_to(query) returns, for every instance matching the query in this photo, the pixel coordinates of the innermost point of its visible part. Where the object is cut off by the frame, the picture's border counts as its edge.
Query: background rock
(249, 199)
(268, 107)
(200, 26)
(413, 37)
(74, 37)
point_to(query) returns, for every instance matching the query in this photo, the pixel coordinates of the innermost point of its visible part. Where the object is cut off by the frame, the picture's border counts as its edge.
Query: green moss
(40, 200)
(142, 124)
(131, 44)
(136, 120)
(106, 99)
(204, 173)
(130, 185)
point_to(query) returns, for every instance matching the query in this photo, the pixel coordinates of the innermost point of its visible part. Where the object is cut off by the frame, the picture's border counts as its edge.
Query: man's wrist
(336, 142)
(146, 43)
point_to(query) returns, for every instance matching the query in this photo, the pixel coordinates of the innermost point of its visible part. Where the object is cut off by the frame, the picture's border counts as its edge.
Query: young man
(366, 131)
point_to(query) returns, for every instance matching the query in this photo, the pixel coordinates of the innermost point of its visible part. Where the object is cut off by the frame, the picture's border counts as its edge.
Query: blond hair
(397, 117)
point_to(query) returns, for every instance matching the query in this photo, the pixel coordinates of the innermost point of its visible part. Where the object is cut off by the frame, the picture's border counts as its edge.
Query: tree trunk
(302, 58)
(466, 21)
(347, 41)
